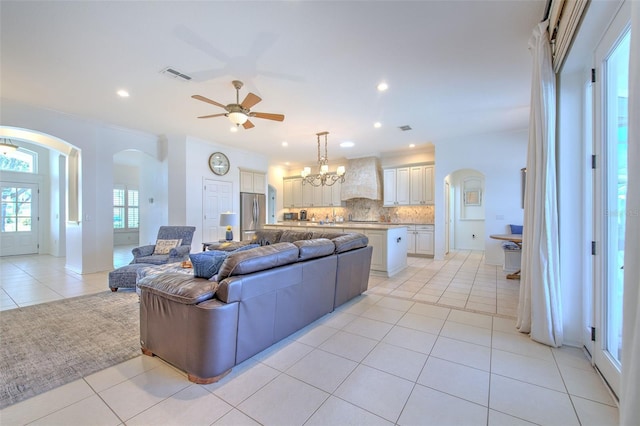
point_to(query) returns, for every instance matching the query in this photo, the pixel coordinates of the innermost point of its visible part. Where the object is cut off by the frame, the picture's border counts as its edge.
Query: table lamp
(229, 220)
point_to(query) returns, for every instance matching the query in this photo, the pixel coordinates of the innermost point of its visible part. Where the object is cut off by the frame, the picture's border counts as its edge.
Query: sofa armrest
(179, 287)
(143, 251)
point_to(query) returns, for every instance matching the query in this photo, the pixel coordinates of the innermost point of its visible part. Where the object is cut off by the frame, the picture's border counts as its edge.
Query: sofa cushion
(325, 234)
(178, 287)
(165, 246)
(258, 259)
(310, 249)
(291, 236)
(266, 237)
(349, 242)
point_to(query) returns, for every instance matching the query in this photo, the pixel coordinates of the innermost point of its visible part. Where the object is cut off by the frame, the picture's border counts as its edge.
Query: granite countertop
(351, 225)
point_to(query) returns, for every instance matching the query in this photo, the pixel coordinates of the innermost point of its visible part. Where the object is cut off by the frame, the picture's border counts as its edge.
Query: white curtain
(539, 308)
(630, 380)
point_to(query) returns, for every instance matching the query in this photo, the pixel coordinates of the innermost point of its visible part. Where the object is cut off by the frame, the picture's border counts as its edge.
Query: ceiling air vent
(172, 73)
(404, 128)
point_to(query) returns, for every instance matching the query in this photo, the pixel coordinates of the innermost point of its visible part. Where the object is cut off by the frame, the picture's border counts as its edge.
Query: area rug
(48, 345)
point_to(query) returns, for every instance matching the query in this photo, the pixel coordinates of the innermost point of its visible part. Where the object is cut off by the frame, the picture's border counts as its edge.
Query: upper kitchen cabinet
(331, 195)
(292, 192)
(396, 186)
(421, 185)
(251, 181)
(297, 194)
(411, 185)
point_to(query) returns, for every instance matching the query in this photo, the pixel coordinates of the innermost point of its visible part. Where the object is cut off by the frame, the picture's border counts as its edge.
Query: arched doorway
(465, 210)
(56, 183)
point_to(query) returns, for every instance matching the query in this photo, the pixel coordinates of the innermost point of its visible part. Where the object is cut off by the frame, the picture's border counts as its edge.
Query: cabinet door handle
(399, 239)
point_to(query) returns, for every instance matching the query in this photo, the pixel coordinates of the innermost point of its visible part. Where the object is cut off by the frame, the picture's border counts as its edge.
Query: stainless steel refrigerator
(253, 211)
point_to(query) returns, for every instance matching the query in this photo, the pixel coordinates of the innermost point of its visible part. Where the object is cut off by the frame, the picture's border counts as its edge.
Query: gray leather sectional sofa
(257, 298)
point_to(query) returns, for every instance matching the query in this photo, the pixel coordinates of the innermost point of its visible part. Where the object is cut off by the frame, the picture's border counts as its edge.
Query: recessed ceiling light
(412, 145)
(382, 86)
(377, 124)
(286, 163)
(123, 93)
(285, 144)
(347, 144)
(233, 129)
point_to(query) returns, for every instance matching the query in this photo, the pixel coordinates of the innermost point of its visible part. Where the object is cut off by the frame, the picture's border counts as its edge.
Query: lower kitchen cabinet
(420, 239)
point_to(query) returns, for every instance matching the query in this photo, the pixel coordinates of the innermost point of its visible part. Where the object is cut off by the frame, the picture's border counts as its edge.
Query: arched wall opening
(466, 209)
(59, 206)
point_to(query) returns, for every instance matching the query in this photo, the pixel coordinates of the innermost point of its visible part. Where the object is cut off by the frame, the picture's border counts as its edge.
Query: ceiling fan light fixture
(238, 118)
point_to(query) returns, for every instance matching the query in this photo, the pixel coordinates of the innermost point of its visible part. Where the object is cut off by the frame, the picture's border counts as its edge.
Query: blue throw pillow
(207, 263)
(516, 229)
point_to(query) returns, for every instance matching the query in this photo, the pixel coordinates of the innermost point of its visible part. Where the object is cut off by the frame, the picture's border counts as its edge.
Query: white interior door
(19, 222)
(217, 198)
(612, 94)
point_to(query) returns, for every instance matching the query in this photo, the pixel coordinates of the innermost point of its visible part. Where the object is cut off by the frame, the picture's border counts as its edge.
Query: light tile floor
(462, 281)
(28, 280)
(376, 360)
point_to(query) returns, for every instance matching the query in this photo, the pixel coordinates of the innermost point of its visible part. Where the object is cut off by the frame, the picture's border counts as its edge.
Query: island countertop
(342, 225)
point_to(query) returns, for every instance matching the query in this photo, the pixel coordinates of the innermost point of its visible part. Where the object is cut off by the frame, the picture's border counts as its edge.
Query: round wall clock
(219, 163)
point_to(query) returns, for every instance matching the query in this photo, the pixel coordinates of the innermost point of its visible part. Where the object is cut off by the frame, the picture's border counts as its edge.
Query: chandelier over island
(323, 177)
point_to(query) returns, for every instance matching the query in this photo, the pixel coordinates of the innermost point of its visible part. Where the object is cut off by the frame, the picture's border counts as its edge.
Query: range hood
(362, 179)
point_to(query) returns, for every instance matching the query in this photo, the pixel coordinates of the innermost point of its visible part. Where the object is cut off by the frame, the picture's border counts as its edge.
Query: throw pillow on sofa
(207, 263)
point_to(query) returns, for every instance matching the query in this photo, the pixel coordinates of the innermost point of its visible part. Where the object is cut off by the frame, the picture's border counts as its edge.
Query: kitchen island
(389, 240)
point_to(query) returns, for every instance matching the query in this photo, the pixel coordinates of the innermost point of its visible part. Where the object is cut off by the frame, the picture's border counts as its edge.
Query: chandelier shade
(6, 146)
(323, 177)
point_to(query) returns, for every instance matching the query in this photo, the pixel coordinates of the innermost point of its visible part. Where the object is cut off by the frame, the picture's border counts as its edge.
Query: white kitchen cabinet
(420, 239)
(377, 240)
(331, 195)
(421, 185)
(292, 193)
(255, 182)
(396, 186)
(307, 195)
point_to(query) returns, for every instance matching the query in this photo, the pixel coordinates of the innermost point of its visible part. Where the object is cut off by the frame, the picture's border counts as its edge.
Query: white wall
(499, 157)
(195, 169)
(89, 245)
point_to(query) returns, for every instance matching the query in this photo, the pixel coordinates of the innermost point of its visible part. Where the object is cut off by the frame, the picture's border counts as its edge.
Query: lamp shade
(228, 219)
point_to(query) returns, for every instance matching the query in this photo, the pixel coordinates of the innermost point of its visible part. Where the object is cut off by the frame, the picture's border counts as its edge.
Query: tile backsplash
(372, 210)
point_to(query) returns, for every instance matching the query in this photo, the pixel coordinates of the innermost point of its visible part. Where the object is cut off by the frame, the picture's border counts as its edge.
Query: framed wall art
(473, 197)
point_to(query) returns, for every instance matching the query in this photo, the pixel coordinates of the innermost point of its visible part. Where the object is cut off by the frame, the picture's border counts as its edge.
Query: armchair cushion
(165, 246)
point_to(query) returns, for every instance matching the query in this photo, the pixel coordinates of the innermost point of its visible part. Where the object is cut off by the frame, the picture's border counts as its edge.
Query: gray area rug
(48, 345)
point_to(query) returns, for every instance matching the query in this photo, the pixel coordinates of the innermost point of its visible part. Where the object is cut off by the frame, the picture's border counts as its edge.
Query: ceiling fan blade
(248, 124)
(250, 101)
(209, 101)
(213, 115)
(268, 116)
